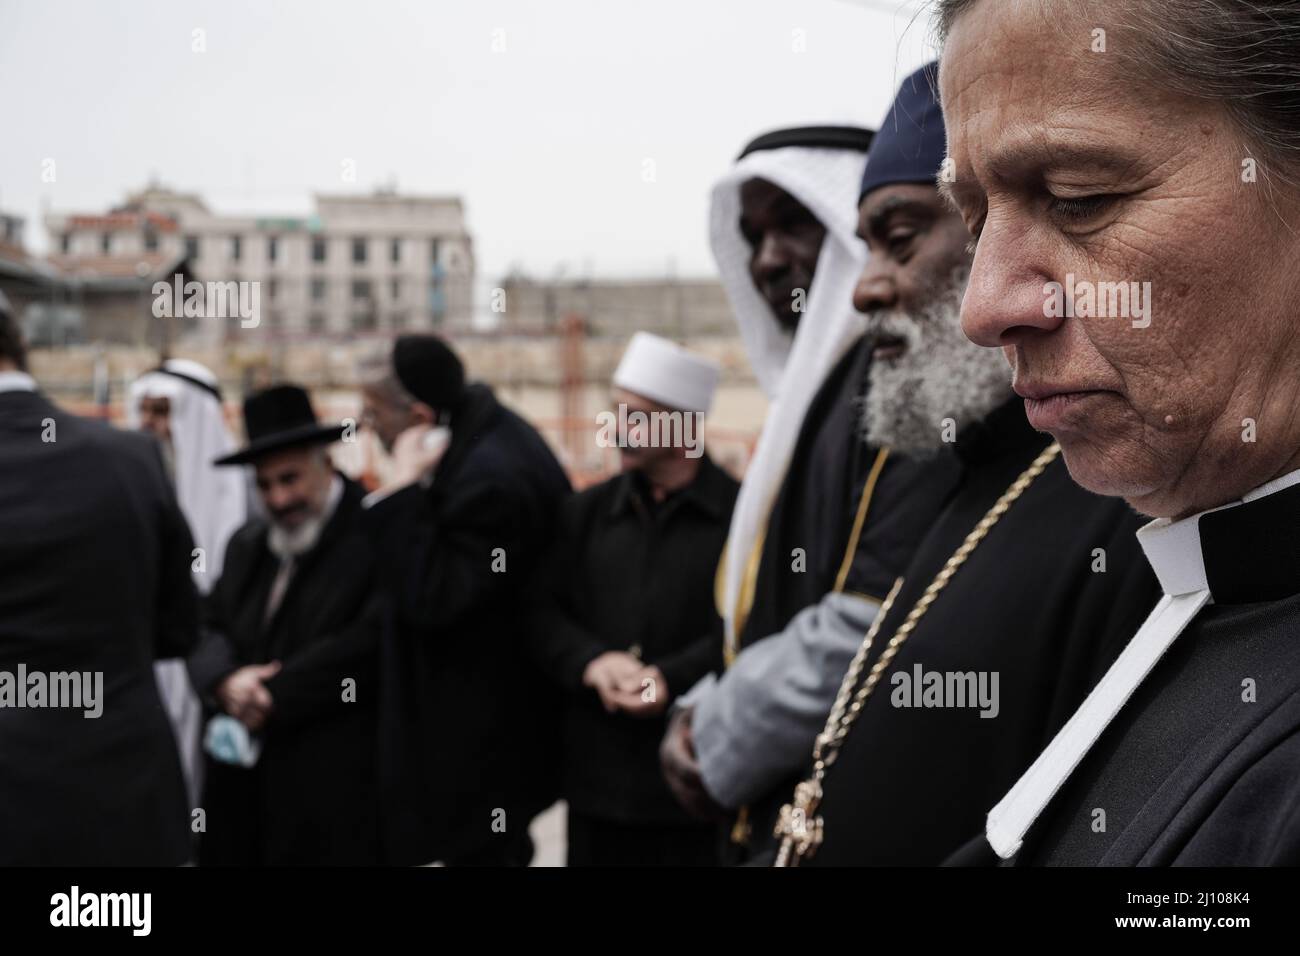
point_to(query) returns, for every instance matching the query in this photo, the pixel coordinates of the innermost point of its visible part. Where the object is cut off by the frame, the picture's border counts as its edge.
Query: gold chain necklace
(801, 832)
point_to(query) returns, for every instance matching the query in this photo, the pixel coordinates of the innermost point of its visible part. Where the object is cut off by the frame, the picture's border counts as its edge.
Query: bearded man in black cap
(286, 664)
(468, 733)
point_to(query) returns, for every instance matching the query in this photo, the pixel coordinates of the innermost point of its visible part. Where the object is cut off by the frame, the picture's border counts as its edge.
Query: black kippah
(826, 137)
(428, 369)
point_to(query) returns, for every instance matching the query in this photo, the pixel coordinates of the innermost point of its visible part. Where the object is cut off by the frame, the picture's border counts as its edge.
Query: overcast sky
(545, 140)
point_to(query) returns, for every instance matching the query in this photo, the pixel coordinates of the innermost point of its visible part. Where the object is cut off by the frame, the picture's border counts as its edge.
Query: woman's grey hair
(1242, 54)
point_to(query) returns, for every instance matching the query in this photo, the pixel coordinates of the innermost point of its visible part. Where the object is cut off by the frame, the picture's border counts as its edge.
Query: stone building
(359, 265)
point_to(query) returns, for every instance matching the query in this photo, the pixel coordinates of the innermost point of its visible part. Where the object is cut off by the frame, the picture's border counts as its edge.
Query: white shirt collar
(17, 382)
(1173, 548)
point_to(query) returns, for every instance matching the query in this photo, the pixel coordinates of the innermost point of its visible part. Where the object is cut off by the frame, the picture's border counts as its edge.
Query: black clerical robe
(833, 476)
(1201, 767)
(1030, 607)
(312, 796)
(856, 513)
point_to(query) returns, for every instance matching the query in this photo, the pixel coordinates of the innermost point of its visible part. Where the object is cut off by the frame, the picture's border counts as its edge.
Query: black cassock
(856, 512)
(832, 476)
(1030, 605)
(94, 577)
(311, 797)
(1201, 767)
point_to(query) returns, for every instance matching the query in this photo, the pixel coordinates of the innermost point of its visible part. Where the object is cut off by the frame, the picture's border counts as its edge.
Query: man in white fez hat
(627, 620)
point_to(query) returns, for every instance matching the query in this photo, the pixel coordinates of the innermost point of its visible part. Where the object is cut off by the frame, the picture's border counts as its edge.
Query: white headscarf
(789, 369)
(213, 500)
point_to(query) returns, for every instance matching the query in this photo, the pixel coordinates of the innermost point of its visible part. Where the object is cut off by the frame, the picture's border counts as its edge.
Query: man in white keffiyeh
(796, 322)
(782, 226)
(180, 403)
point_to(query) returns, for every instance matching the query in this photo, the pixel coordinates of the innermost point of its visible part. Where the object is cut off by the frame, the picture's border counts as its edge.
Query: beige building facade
(358, 265)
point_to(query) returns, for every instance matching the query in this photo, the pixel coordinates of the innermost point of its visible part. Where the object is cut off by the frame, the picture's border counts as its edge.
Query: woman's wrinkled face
(1143, 289)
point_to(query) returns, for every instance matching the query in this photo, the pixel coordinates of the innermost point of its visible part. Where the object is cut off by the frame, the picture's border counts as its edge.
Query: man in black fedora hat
(468, 736)
(287, 660)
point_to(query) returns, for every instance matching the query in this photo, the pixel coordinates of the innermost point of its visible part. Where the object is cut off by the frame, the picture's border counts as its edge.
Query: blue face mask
(229, 741)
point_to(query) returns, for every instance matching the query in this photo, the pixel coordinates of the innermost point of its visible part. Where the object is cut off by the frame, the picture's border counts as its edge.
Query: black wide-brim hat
(280, 417)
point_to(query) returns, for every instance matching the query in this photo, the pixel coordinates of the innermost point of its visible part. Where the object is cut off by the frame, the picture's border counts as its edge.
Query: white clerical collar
(17, 382)
(1173, 548)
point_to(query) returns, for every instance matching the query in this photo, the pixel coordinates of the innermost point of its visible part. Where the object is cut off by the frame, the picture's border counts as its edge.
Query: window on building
(192, 247)
(360, 288)
(65, 243)
(272, 248)
(397, 321)
(316, 322)
(272, 288)
(318, 250)
(395, 288)
(236, 248)
(433, 251)
(105, 243)
(395, 251)
(150, 241)
(363, 321)
(358, 250)
(317, 290)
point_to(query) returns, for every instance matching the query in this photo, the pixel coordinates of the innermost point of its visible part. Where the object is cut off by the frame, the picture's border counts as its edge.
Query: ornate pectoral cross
(800, 831)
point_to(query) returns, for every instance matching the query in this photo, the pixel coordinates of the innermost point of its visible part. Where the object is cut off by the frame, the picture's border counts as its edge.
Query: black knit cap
(428, 369)
(825, 137)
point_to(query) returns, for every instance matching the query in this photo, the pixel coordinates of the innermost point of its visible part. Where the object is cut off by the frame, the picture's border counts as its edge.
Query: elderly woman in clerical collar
(1129, 172)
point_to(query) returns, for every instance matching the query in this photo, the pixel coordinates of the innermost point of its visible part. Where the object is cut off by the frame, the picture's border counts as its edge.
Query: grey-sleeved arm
(757, 723)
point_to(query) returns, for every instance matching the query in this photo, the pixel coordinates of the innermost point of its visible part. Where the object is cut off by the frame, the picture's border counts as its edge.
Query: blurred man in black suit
(95, 563)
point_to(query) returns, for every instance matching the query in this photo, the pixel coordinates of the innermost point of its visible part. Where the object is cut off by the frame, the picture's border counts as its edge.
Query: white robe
(755, 725)
(789, 369)
(214, 502)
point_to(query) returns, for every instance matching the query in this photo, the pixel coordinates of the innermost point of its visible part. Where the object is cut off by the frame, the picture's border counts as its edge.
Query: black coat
(1197, 770)
(911, 784)
(832, 479)
(467, 727)
(311, 797)
(858, 514)
(94, 576)
(625, 575)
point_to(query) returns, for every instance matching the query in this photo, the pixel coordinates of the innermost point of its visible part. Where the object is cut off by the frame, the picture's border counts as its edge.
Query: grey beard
(941, 383)
(285, 543)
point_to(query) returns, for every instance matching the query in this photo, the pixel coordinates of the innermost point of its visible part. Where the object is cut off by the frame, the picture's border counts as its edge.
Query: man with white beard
(288, 661)
(179, 403)
(988, 640)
